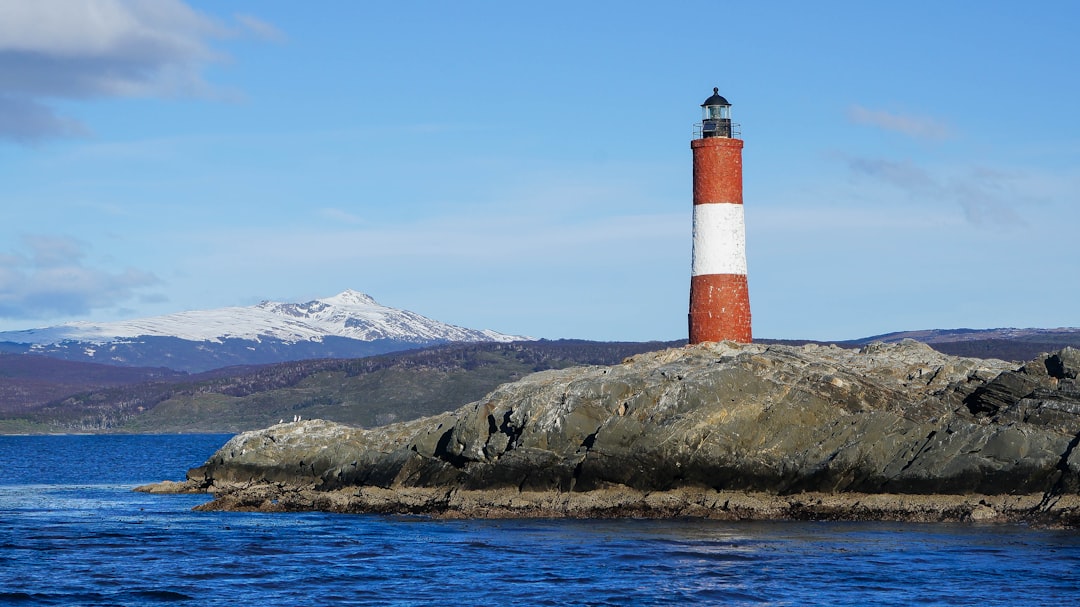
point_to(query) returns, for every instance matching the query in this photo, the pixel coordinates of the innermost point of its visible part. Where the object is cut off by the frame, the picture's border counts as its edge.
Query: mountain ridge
(347, 325)
(349, 314)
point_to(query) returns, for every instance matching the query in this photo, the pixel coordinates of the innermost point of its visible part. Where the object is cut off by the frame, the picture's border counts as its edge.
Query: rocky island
(719, 430)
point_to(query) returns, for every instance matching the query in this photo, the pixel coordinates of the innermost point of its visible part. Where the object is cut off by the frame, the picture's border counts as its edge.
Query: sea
(73, 533)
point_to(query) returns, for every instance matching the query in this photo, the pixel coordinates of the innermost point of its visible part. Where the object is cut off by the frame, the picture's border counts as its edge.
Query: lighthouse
(719, 298)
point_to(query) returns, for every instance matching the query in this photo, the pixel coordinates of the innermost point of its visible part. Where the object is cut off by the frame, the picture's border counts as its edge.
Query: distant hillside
(197, 357)
(348, 325)
(28, 380)
(367, 391)
(1006, 344)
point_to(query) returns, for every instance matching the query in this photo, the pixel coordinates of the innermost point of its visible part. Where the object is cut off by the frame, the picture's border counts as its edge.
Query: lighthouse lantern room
(716, 116)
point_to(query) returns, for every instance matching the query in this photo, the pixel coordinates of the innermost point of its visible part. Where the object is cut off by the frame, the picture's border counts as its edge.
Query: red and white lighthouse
(719, 298)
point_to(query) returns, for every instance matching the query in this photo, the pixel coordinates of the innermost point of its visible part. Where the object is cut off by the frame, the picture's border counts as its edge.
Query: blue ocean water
(73, 533)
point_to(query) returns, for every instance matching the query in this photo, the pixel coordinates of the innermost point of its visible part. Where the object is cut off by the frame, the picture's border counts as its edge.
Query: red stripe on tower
(719, 298)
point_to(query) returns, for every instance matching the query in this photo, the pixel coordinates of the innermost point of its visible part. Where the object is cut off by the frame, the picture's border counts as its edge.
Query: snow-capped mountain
(350, 314)
(345, 325)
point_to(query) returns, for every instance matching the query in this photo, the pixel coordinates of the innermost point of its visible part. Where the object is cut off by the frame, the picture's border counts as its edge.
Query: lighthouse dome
(716, 99)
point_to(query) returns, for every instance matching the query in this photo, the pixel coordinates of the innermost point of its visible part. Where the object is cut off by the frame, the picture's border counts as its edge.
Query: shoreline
(1037, 510)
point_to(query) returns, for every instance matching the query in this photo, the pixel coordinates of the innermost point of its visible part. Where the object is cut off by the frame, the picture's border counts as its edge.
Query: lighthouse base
(719, 308)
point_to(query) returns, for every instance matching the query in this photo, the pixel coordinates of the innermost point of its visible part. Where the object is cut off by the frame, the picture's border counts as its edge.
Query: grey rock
(1065, 364)
(777, 420)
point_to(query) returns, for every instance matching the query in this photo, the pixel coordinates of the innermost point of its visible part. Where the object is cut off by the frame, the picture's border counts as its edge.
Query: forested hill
(364, 391)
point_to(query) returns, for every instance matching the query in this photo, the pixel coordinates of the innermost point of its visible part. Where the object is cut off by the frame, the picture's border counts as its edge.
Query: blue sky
(526, 167)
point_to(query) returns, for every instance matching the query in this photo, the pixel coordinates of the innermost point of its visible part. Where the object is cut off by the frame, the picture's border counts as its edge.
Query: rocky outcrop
(692, 431)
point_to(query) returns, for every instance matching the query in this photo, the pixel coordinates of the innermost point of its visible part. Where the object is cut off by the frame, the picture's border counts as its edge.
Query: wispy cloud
(260, 28)
(48, 276)
(987, 197)
(902, 174)
(473, 242)
(340, 216)
(83, 49)
(917, 127)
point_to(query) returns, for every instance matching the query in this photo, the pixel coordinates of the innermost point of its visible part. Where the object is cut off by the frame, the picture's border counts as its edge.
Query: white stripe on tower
(719, 239)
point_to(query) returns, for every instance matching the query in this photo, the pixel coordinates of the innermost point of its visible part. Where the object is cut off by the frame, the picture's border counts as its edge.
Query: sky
(526, 167)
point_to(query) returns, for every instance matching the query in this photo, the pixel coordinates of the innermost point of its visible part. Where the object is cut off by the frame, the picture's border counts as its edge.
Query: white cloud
(49, 277)
(82, 28)
(82, 49)
(917, 127)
